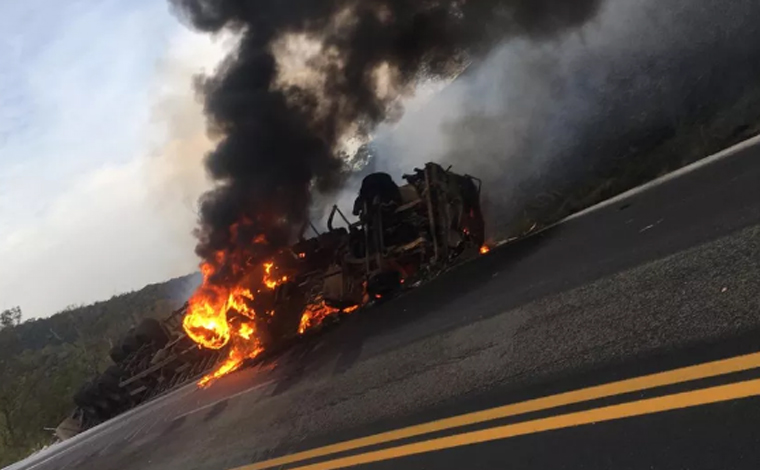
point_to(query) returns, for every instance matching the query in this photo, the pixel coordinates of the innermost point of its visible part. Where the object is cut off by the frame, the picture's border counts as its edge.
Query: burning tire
(290, 303)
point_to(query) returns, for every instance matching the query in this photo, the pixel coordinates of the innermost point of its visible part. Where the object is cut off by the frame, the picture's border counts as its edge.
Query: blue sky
(74, 94)
(91, 94)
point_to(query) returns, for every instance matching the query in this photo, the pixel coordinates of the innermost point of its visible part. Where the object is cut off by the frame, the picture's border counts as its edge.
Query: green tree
(10, 317)
(44, 361)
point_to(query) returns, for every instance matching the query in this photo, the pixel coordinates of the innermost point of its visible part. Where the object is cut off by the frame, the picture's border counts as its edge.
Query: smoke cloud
(555, 125)
(311, 79)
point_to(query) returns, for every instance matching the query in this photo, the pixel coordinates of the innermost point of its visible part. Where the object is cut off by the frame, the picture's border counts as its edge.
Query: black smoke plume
(280, 142)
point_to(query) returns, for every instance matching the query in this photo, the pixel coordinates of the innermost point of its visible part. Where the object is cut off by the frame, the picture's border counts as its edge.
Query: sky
(101, 142)
(102, 138)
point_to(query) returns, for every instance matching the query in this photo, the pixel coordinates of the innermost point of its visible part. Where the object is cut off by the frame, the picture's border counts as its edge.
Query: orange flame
(238, 300)
(206, 321)
(316, 313)
(270, 282)
(245, 346)
(245, 331)
(484, 249)
(230, 365)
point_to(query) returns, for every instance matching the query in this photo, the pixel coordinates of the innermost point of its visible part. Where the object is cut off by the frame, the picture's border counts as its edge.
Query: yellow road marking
(685, 374)
(625, 410)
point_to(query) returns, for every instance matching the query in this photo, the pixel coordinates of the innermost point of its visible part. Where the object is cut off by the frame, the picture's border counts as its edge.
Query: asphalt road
(665, 278)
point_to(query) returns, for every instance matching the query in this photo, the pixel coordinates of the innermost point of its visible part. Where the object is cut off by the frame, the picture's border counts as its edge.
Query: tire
(82, 398)
(108, 386)
(117, 354)
(150, 331)
(89, 398)
(110, 378)
(383, 284)
(114, 371)
(108, 382)
(290, 304)
(130, 344)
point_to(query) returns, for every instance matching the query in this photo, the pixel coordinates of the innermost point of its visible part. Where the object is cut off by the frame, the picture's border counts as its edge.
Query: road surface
(624, 337)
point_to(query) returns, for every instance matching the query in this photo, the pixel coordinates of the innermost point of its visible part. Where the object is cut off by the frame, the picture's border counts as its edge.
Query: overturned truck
(402, 235)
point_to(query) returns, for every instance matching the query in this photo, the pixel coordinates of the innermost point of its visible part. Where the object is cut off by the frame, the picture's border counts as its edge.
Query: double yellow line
(636, 408)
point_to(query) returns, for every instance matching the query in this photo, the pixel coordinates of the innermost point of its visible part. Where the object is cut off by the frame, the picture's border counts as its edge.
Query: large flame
(245, 346)
(207, 321)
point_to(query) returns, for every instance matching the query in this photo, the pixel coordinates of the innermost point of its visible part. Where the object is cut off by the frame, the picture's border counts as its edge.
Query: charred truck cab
(404, 233)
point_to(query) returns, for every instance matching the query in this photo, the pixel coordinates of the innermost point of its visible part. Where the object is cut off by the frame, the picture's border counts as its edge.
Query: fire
(484, 249)
(231, 364)
(245, 331)
(238, 300)
(208, 321)
(270, 282)
(245, 345)
(206, 318)
(316, 313)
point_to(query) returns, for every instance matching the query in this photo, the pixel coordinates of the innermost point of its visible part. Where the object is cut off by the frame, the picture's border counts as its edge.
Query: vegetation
(44, 361)
(660, 151)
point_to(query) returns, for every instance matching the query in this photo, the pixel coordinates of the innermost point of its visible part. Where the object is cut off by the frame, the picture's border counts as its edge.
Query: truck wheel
(117, 354)
(109, 389)
(114, 371)
(110, 378)
(82, 398)
(88, 397)
(150, 331)
(290, 303)
(383, 284)
(130, 344)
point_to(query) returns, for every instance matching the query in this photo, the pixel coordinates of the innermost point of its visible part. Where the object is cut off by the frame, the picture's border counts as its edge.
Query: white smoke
(531, 115)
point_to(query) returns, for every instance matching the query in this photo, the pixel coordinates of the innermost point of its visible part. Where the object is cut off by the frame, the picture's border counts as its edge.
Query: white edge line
(64, 447)
(234, 395)
(662, 179)
(730, 151)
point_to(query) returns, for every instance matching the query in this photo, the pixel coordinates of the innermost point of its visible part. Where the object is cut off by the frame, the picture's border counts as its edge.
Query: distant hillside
(661, 151)
(44, 361)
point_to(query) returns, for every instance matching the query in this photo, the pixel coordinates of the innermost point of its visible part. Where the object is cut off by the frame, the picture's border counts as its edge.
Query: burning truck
(401, 236)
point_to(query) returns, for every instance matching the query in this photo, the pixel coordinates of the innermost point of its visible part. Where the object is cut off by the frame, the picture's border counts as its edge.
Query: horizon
(91, 113)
